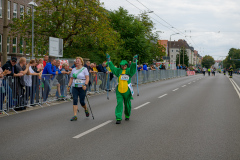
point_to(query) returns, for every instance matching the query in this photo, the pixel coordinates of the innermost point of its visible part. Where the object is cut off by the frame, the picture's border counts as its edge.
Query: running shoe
(74, 118)
(126, 119)
(87, 113)
(118, 122)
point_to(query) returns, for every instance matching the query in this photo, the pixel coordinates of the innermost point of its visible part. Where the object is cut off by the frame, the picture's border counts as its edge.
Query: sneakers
(74, 118)
(87, 113)
(118, 122)
(126, 119)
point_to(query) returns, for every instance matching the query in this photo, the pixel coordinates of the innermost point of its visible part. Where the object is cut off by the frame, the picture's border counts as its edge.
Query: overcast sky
(212, 27)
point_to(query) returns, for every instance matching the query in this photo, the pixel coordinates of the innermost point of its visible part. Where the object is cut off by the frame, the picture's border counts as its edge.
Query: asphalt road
(188, 118)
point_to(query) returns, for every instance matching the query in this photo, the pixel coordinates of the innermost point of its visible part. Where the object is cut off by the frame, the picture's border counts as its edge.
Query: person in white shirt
(28, 82)
(79, 81)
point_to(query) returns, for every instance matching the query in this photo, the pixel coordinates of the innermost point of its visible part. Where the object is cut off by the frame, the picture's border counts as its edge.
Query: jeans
(6, 90)
(62, 90)
(29, 92)
(46, 87)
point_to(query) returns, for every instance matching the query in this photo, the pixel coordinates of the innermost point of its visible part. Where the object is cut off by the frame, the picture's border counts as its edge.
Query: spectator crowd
(25, 84)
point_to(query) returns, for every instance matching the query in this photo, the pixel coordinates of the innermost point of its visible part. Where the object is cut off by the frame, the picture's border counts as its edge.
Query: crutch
(137, 77)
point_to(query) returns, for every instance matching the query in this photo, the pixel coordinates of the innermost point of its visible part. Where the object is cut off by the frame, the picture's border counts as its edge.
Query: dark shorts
(78, 92)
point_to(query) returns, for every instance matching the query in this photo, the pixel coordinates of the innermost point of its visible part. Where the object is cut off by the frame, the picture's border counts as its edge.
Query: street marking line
(231, 80)
(189, 83)
(142, 105)
(93, 129)
(163, 96)
(175, 89)
(193, 81)
(236, 84)
(184, 86)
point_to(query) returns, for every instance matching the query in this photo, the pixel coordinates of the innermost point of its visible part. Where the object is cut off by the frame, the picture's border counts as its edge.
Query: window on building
(21, 45)
(21, 12)
(9, 10)
(172, 50)
(176, 50)
(1, 8)
(14, 47)
(8, 44)
(14, 10)
(171, 56)
(0, 43)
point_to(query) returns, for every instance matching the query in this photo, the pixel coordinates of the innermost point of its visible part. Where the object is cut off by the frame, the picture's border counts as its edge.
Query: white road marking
(184, 86)
(236, 87)
(163, 96)
(93, 129)
(189, 83)
(142, 105)
(193, 81)
(175, 89)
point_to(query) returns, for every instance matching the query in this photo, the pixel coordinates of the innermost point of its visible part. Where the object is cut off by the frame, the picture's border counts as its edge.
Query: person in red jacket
(45, 61)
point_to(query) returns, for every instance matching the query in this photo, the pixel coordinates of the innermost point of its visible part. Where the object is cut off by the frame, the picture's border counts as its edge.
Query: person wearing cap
(124, 89)
(11, 71)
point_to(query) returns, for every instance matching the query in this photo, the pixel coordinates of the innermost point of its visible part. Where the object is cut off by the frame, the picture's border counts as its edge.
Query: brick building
(16, 9)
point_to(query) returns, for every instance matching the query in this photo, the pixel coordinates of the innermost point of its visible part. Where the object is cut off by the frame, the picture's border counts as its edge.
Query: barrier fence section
(191, 73)
(98, 81)
(17, 93)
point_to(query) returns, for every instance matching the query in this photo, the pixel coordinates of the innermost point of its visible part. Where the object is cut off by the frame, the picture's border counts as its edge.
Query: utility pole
(179, 56)
(183, 54)
(5, 31)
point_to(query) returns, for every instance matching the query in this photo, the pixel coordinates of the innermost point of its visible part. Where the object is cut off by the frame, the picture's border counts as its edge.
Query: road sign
(55, 47)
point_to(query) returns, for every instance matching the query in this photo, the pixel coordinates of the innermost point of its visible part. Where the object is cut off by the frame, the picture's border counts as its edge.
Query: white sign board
(55, 47)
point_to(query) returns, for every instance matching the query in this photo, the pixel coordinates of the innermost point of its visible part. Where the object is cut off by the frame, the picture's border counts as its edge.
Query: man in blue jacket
(49, 72)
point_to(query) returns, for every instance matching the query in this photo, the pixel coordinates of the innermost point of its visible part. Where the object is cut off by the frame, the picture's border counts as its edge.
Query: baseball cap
(14, 59)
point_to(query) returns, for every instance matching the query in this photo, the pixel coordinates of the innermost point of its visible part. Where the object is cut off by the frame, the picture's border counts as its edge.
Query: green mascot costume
(124, 89)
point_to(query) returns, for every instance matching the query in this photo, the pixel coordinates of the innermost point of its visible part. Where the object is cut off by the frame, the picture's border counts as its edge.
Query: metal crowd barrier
(16, 96)
(155, 75)
(44, 90)
(53, 88)
(98, 81)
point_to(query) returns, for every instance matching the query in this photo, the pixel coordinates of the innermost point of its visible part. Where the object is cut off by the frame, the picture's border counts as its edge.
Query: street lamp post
(33, 4)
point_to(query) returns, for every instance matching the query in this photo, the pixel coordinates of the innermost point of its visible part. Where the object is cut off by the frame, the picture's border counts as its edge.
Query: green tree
(83, 25)
(233, 54)
(136, 33)
(208, 61)
(183, 51)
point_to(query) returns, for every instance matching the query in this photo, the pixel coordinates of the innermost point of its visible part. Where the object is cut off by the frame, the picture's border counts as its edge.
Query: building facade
(165, 44)
(175, 47)
(16, 9)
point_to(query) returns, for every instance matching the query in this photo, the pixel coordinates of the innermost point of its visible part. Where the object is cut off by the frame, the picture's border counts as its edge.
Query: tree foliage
(136, 33)
(208, 61)
(233, 54)
(88, 30)
(183, 51)
(83, 25)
